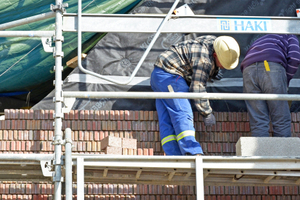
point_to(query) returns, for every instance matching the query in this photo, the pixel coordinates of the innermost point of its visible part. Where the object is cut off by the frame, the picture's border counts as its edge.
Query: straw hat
(228, 51)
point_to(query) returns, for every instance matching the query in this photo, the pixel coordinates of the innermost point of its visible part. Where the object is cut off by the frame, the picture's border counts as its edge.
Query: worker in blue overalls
(186, 67)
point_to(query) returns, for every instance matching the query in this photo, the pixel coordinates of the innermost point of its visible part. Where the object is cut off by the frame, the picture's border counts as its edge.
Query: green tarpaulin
(23, 62)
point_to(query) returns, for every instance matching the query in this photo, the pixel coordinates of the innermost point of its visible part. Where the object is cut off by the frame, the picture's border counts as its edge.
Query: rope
(20, 59)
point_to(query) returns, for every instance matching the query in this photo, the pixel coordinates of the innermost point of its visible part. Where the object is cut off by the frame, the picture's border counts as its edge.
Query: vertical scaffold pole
(68, 164)
(58, 99)
(199, 178)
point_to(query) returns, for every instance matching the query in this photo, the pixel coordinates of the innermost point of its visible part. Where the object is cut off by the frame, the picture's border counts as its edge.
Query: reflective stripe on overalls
(168, 139)
(178, 137)
(185, 134)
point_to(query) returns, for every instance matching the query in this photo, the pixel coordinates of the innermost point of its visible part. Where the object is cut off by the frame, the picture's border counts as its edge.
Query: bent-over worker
(186, 67)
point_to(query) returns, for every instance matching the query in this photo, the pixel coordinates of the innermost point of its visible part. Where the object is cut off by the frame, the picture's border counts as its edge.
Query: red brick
(120, 114)
(292, 190)
(81, 135)
(86, 114)
(81, 114)
(14, 113)
(70, 115)
(112, 125)
(86, 136)
(89, 146)
(66, 116)
(96, 115)
(140, 115)
(12, 145)
(157, 147)
(47, 113)
(7, 124)
(150, 152)
(102, 135)
(276, 190)
(106, 115)
(294, 117)
(7, 113)
(139, 151)
(112, 115)
(104, 125)
(80, 146)
(296, 127)
(247, 126)
(101, 115)
(145, 151)
(126, 125)
(96, 136)
(130, 152)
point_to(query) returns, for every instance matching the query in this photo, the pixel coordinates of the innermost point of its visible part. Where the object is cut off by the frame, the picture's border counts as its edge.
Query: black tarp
(117, 54)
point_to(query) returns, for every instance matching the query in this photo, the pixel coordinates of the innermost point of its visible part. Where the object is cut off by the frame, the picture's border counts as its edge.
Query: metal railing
(60, 94)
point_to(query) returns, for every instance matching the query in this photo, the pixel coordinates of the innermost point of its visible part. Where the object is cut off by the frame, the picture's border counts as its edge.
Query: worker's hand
(209, 120)
(219, 76)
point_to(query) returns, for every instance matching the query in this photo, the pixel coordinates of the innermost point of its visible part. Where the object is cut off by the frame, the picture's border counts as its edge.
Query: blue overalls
(176, 123)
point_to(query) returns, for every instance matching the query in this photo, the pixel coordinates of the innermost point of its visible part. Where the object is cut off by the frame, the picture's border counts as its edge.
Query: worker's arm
(202, 65)
(293, 57)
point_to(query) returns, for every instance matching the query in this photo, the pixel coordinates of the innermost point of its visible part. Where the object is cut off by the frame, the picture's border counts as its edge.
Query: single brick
(113, 150)
(129, 143)
(111, 141)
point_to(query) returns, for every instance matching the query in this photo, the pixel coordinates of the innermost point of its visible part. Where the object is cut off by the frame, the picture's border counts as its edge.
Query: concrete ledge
(268, 146)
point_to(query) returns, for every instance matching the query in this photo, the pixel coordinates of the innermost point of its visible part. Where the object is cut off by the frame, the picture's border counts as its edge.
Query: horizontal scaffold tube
(27, 20)
(26, 33)
(22, 157)
(182, 95)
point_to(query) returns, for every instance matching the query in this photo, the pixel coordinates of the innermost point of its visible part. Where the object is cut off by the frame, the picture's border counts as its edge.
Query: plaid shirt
(193, 60)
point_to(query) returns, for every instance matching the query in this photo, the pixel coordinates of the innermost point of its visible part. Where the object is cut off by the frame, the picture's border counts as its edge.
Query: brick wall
(32, 131)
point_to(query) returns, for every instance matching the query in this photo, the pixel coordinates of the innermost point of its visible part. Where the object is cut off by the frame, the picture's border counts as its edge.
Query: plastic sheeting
(24, 65)
(117, 54)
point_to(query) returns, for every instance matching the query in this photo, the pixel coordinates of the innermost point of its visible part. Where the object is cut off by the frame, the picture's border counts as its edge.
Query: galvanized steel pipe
(68, 163)
(182, 95)
(27, 33)
(142, 58)
(27, 20)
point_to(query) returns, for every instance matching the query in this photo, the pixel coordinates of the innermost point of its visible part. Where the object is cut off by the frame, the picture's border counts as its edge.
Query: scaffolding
(179, 170)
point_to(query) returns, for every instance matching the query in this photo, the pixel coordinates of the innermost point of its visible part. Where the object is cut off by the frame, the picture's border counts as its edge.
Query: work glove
(209, 120)
(219, 76)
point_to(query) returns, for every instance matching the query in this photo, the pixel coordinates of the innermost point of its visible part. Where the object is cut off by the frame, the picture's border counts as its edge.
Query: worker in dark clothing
(269, 65)
(186, 67)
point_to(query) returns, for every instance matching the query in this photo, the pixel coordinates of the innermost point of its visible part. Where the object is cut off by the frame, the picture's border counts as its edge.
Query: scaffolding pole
(27, 20)
(158, 30)
(27, 33)
(58, 100)
(58, 11)
(182, 95)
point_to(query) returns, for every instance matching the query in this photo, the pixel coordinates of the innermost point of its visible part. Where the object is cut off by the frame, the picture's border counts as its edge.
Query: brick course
(32, 131)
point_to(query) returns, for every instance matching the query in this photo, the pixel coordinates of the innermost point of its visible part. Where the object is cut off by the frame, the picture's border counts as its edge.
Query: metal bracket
(46, 168)
(65, 141)
(60, 38)
(47, 44)
(183, 11)
(68, 104)
(58, 142)
(60, 7)
(59, 53)
(57, 179)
